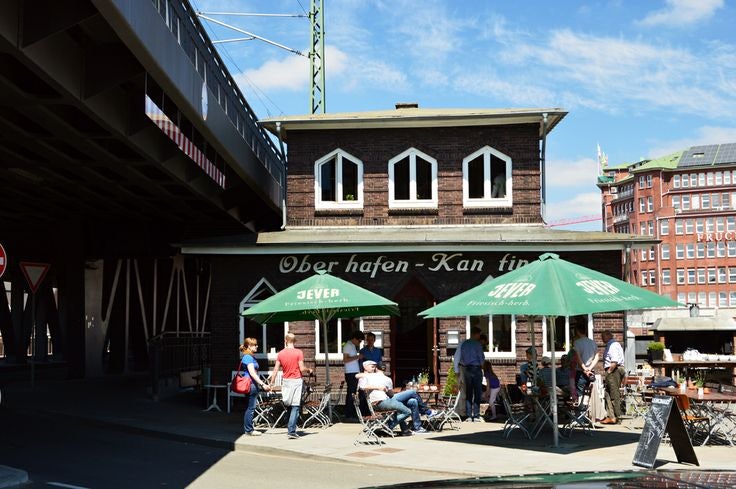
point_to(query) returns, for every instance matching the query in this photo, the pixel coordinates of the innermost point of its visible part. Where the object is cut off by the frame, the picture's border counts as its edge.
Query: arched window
(338, 181)
(412, 178)
(487, 179)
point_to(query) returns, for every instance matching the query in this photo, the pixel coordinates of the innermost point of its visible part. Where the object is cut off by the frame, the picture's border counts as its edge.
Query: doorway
(413, 338)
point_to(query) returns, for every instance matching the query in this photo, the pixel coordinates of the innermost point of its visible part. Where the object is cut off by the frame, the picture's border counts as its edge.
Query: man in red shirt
(291, 360)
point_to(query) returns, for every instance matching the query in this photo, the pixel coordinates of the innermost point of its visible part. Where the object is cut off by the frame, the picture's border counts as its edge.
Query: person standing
(587, 358)
(494, 387)
(351, 357)
(613, 359)
(471, 358)
(370, 351)
(291, 360)
(249, 367)
(460, 377)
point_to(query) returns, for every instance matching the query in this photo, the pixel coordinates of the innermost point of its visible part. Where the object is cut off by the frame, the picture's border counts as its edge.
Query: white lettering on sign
(451, 263)
(512, 289)
(597, 287)
(310, 294)
(511, 263)
(708, 237)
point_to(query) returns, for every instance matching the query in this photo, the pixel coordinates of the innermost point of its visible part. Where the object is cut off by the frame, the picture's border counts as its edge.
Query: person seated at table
(526, 370)
(493, 387)
(561, 377)
(379, 389)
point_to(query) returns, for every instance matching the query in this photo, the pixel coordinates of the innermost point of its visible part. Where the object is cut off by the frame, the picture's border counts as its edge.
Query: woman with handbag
(249, 367)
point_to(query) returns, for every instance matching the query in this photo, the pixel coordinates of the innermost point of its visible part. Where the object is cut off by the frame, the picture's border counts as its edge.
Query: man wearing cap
(407, 403)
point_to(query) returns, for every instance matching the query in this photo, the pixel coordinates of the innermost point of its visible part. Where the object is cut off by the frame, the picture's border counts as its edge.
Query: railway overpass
(121, 132)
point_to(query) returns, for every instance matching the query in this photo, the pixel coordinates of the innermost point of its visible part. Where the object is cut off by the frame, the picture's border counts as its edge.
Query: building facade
(416, 205)
(687, 201)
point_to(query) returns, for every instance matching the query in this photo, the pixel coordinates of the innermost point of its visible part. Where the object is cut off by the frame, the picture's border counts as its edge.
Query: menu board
(661, 419)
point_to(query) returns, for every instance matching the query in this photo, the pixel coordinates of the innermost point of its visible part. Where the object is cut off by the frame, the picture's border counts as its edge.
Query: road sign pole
(35, 339)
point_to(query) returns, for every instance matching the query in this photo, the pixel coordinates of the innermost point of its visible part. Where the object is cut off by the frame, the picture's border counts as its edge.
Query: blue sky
(640, 78)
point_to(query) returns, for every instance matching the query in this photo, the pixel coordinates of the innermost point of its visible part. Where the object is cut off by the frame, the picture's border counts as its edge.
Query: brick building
(687, 201)
(416, 205)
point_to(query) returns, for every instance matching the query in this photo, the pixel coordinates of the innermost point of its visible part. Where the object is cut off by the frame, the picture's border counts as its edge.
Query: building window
(720, 224)
(681, 298)
(701, 275)
(690, 250)
(702, 298)
(412, 179)
(644, 278)
(712, 296)
(701, 179)
(642, 205)
(679, 251)
(501, 331)
(685, 181)
(676, 181)
(652, 277)
(651, 253)
(270, 338)
(650, 228)
(686, 202)
(679, 228)
(732, 298)
(711, 275)
(699, 225)
(689, 226)
(722, 275)
(649, 181)
(664, 226)
(650, 204)
(680, 276)
(564, 332)
(338, 332)
(700, 250)
(338, 181)
(726, 177)
(705, 200)
(731, 248)
(710, 250)
(691, 276)
(666, 276)
(721, 249)
(665, 252)
(719, 178)
(732, 275)
(642, 181)
(487, 179)
(709, 177)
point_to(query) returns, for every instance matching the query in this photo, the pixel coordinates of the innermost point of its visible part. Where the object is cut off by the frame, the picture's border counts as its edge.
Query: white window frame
(249, 300)
(487, 200)
(319, 355)
(339, 155)
(568, 338)
(412, 202)
(490, 353)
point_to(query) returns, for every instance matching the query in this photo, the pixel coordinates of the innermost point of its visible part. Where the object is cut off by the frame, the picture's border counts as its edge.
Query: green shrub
(450, 382)
(655, 345)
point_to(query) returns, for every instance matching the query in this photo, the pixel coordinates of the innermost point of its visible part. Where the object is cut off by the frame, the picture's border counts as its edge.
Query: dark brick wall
(374, 147)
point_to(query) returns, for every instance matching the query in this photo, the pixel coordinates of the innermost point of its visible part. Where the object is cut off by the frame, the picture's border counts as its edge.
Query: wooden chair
(698, 426)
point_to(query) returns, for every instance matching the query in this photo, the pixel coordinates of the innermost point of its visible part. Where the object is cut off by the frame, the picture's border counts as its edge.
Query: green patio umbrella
(551, 287)
(322, 297)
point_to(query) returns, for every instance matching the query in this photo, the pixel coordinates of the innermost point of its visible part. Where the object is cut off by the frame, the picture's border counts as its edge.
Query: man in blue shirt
(471, 358)
(370, 351)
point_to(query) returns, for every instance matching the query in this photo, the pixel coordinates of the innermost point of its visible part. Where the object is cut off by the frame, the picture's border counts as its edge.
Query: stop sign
(3, 260)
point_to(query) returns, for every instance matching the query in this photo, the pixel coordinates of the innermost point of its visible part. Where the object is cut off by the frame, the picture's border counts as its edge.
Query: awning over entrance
(713, 323)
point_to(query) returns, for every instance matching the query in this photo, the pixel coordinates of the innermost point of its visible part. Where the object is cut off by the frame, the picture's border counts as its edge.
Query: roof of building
(413, 117)
(707, 323)
(669, 162)
(416, 238)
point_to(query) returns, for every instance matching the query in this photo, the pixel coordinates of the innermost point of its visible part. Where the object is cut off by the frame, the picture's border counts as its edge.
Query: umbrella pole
(323, 323)
(553, 392)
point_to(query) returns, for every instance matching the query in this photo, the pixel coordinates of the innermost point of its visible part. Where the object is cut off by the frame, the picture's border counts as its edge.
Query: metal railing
(186, 27)
(171, 353)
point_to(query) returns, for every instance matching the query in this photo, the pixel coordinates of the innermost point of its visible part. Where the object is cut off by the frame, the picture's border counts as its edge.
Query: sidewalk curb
(11, 477)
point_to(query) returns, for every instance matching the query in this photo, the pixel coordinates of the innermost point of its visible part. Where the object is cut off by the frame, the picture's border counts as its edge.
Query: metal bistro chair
(578, 414)
(517, 415)
(372, 425)
(447, 414)
(317, 411)
(698, 426)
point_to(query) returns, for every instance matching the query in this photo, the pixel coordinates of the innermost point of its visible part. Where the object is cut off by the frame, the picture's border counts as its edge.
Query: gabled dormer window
(412, 180)
(338, 181)
(487, 179)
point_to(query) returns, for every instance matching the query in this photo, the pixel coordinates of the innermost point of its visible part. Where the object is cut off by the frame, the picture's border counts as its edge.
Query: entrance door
(412, 337)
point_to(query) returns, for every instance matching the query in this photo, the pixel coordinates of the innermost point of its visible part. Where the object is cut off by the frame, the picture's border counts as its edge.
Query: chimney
(407, 105)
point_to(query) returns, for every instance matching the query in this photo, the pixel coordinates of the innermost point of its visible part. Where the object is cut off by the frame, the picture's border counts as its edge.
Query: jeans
(473, 390)
(411, 399)
(251, 401)
(293, 417)
(402, 412)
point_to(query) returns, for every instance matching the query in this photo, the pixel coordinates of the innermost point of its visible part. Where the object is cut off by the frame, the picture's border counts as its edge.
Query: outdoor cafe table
(720, 407)
(542, 410)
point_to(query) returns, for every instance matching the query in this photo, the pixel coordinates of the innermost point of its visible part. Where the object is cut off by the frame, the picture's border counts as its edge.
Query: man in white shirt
(613, 359)
(350, 357)
(379, 388)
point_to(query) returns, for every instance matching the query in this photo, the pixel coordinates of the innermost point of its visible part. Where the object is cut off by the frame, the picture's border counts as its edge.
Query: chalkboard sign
(661, 419)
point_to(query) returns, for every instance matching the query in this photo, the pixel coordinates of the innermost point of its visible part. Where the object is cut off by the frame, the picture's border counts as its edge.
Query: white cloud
(571, 173)
(705, 135)
(577, 206)
(515, 91)
(682, 12)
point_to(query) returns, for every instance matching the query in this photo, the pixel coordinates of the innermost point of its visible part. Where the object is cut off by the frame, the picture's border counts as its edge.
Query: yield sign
(3, 260)
(34, 273)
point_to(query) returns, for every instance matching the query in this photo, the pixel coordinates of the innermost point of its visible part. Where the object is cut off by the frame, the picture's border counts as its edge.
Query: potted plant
(655, 351)
(450, 383)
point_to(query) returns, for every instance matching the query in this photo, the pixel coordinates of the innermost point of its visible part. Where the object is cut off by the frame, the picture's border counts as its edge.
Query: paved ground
(473, 449)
